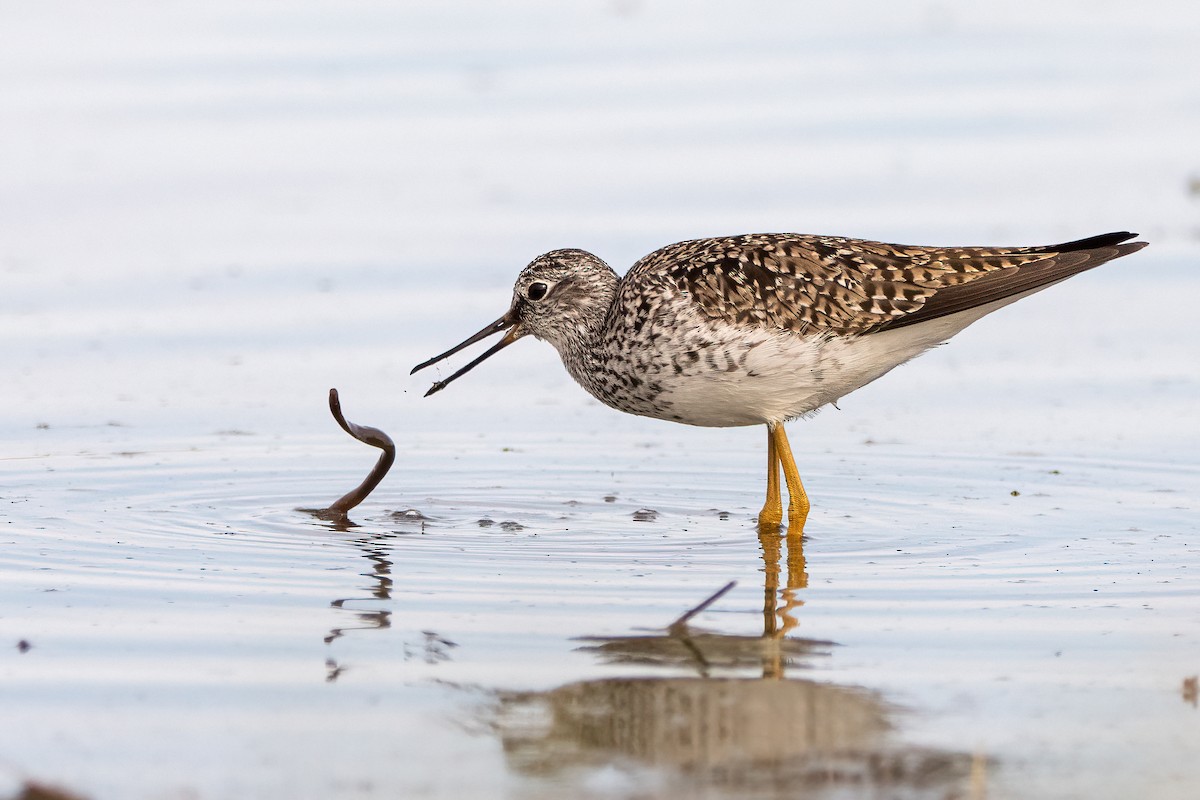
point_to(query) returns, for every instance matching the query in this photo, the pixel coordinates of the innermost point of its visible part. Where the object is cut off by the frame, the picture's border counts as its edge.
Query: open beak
(508, 322)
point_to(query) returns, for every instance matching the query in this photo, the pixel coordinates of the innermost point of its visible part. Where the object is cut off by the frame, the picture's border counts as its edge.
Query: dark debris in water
(506, 525)
(24, 646)
(435, 648)
(33, 790)
(645, 515)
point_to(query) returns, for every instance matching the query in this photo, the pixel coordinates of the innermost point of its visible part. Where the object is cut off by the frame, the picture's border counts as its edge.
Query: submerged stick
(681, 623)
(366, 435)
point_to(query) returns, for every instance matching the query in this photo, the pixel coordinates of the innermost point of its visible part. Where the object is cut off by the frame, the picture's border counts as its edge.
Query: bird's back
(842, 287)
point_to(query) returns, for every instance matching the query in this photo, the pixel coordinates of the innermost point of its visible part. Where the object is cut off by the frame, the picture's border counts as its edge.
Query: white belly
(784, 375)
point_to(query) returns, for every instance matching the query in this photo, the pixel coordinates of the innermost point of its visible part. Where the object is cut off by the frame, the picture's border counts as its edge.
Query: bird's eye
(536, 291)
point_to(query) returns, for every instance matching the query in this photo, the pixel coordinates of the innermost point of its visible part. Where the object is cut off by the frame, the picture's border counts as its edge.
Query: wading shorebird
(765, 328)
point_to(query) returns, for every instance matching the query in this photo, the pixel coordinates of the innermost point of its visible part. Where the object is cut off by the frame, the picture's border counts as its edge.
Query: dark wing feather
(1058, 263)
(824, 284)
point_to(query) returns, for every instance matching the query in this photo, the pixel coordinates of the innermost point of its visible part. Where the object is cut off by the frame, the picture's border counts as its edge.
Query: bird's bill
(508, 322)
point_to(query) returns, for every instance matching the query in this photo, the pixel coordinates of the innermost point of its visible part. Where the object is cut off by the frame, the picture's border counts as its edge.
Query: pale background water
(210, 215)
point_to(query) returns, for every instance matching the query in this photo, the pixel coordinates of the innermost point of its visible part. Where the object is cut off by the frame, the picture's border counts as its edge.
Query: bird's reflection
(733, 723)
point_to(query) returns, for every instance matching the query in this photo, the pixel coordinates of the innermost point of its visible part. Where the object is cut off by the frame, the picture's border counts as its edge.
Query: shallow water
(189, 625)
(212, 218)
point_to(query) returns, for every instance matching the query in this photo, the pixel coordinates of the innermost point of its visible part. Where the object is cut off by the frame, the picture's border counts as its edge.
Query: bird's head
(562, 297)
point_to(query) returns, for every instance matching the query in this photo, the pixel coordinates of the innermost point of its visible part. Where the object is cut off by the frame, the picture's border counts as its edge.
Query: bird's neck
(582, 339)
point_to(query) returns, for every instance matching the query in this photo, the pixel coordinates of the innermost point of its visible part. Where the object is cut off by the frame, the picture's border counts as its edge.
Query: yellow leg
(797, 498)
(772, 511)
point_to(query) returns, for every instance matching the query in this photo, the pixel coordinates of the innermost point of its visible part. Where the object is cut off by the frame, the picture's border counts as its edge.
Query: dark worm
(366, 435)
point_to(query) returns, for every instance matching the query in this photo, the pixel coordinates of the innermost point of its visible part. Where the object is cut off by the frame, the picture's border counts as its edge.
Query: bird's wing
(824, 284)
